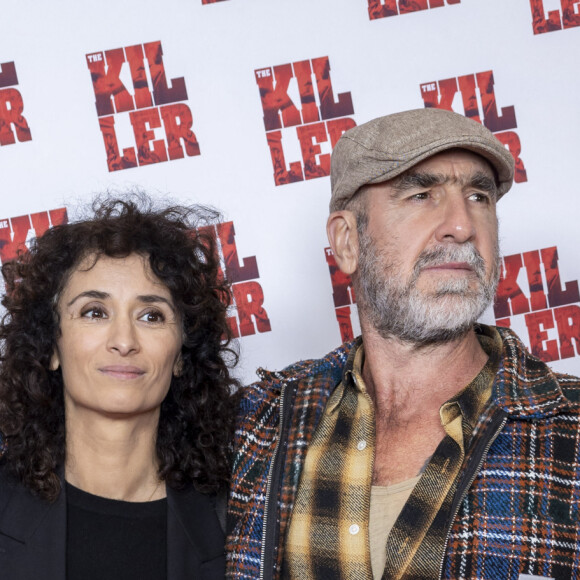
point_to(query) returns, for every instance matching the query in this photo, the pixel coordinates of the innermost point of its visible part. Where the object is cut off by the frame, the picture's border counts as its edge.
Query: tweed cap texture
(385, 147)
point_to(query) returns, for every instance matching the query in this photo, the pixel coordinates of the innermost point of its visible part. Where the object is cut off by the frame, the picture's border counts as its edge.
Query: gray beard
(399, 309)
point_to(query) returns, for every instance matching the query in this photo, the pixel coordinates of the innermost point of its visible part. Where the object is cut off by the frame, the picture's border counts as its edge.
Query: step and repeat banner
(238, 103)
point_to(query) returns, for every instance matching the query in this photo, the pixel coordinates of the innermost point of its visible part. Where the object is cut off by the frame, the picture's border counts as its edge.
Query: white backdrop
(232, 57)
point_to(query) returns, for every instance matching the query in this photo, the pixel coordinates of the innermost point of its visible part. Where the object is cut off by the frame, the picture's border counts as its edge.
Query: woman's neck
(113, 457)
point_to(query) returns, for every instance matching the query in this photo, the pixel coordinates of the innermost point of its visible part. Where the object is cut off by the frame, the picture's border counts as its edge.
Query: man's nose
(456, 224)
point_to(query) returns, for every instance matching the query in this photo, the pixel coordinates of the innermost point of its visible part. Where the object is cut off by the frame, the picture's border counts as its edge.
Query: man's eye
(479, 197)
(420, 196)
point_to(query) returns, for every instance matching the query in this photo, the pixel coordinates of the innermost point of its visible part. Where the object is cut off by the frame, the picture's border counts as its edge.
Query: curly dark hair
(195, 422)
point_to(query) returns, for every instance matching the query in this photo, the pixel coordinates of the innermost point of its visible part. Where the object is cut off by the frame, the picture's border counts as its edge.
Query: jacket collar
(194, 534)
(524, 386)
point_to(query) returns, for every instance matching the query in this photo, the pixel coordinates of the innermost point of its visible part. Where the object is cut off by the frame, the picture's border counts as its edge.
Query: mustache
(439, 255)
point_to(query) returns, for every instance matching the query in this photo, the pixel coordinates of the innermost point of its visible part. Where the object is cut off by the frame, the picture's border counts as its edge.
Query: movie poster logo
(568, 16)
(384, 8)
(157, 121)
(249, 315)
(344, 299)
(13, 125)
(17, 231)
(531, 285)
(319, 117)
(477, 95)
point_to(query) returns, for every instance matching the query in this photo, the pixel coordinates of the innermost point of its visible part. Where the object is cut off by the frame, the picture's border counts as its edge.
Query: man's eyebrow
(418, 180)
(413, 180)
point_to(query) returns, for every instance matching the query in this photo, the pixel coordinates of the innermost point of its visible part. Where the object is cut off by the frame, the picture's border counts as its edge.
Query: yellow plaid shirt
(328, 534)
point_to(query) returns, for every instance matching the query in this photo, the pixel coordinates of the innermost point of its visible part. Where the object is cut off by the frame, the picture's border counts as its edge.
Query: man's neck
(406, 380)
(408, 385)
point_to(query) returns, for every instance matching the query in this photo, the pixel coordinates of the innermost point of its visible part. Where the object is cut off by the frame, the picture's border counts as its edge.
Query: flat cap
(385, 147)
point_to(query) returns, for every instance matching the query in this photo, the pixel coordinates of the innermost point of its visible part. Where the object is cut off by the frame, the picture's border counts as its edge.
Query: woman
(115, 399)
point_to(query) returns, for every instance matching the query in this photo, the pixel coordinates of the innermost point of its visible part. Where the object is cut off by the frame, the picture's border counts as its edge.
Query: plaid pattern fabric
(328, 532)
(520, 515)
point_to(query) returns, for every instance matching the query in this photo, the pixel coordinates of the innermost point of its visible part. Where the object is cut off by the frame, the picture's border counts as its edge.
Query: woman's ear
(178, 366)
(54, 361)
(343, 238)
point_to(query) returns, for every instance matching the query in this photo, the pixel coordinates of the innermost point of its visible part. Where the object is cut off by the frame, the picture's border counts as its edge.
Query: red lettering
(336, 127)
(309, 137)
(342, 290)
(538, 299)
(468, 96)
(162, 93)
(136, 59)
(556, 295)
(330, 109)
(442, 98)
(8, 77)
(538, 323)
(177, 120)
(508, 291)
(114, 161)
(107, 84)
(378, 9)
(568, 322)
(275, 101)
(303, 72)
(344, 323)
(13, 238)
(235, 272)
(249, 299)
(491, 119)
(512, 141)
(143, 122)
(542, 24)
(11, 107)
(406, 6)
(282, 174)
(570, 13)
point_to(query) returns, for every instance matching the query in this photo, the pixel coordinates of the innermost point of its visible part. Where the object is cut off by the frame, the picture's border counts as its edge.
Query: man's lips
(122, 371)
(450, 266)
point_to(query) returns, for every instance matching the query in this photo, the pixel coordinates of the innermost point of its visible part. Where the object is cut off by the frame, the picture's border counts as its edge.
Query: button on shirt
(328, 534)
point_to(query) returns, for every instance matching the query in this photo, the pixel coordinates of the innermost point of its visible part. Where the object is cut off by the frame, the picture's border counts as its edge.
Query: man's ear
(343, 238)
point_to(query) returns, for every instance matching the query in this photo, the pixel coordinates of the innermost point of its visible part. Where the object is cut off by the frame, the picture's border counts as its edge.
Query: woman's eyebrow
(153, 298)
(97, 294)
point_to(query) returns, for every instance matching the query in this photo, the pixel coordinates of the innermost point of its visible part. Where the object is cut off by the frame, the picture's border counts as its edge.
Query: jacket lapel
(195, 539)
(39, 529)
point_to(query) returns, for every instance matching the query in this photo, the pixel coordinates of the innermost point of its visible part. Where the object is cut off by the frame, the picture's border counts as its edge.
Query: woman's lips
(122, 371)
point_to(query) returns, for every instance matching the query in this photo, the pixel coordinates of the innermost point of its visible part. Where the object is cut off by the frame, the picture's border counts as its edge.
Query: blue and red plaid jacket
(517, 506)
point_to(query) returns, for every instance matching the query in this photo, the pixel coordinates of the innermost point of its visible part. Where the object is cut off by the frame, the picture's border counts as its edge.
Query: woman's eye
(93, 312)
(152, 316)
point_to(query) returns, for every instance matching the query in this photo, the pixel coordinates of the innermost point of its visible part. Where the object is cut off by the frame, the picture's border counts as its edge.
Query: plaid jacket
(516, 510)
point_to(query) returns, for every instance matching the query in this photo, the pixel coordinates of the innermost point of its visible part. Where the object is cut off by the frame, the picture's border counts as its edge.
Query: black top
(116, 540)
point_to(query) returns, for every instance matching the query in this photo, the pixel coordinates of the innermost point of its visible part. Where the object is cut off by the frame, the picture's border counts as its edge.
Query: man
(432, 446)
